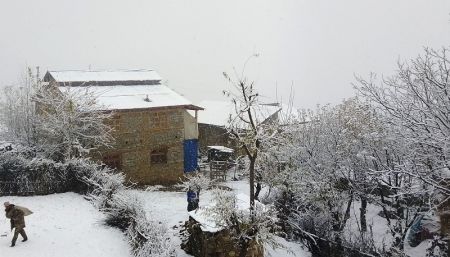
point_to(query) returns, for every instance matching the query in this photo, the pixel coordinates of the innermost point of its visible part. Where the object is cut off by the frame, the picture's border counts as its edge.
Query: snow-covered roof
(117, 75)
(218, 112)
(119, 97)
(120, 89)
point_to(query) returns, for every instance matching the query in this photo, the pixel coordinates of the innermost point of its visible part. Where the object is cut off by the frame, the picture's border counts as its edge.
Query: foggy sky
(312, 46)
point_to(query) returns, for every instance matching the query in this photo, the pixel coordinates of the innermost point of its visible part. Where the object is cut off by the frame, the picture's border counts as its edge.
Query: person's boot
(25, 239)
(13, 244)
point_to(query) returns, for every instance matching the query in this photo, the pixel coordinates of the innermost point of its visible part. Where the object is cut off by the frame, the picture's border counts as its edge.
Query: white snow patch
(291, 250)
(62, 225)
(377, 223)
(420, 250)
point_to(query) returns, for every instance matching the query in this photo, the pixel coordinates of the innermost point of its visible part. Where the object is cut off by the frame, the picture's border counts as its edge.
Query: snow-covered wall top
(119, 97)
(118, 75)
(208, 221)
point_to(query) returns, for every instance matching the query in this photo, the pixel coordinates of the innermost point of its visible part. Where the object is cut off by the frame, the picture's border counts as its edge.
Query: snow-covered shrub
(106, 189)
(21, 174)
(150, 238)
(147, 237)
(244, 225)
(437, 247)
(98, 180)
(196, 181)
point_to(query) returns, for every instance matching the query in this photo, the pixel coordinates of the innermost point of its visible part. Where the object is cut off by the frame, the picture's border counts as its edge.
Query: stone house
(156, 138)
(214, 119)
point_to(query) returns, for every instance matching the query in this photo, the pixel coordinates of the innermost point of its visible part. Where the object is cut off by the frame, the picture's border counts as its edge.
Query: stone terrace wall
(219, 244)
(137, 134)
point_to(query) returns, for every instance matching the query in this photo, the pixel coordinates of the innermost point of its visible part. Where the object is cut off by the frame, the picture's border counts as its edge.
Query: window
(113, 161)
(158, 156)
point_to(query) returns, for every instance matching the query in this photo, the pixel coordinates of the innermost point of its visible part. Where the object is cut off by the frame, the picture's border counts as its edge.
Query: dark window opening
(158, 156)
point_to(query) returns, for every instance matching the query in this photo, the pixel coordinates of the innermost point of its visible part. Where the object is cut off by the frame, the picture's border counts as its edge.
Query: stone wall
(137, 134)
(220, 244)
(214, 135)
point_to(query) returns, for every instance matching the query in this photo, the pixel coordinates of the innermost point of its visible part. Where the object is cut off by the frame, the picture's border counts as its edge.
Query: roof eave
(186, 107)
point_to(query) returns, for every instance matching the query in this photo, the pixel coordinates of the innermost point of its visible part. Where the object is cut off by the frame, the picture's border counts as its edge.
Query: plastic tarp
(190, 155)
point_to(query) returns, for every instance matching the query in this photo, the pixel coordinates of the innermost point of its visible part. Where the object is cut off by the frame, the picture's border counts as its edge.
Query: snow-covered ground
(172, 208)
(377, 224)
(62, 225)
(68, 225)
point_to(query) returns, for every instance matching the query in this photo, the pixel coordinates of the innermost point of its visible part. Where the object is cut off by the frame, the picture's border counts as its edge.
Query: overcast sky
(312, 46)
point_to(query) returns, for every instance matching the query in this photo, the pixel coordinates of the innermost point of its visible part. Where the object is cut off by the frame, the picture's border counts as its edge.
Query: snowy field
(68, 225)
(62, 225)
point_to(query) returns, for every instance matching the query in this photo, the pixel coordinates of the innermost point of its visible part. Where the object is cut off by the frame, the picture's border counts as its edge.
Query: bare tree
(243, 125)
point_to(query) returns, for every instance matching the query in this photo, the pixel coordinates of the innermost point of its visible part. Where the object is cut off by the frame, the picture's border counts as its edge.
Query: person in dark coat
(16, 216)
(193, 199)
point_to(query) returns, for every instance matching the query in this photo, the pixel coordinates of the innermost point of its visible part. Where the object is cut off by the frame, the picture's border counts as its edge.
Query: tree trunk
(252, 183)
(258, 190)
(362, 214)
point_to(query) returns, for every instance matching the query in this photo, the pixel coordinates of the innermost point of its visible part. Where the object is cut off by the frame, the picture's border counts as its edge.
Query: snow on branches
(231, 212)
(416, 103)
(58, 125)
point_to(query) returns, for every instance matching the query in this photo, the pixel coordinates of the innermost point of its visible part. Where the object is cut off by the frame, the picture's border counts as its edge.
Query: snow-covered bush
(437, 247)
(22, 175)
(195, 181)
(106, 189)
(244, 225)
(150, 237)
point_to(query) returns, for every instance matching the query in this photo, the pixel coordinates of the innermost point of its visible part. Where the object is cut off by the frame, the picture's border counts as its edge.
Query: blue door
(190, 155)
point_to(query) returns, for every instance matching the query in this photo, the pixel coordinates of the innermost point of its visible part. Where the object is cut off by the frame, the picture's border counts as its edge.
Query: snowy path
(62, 225)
